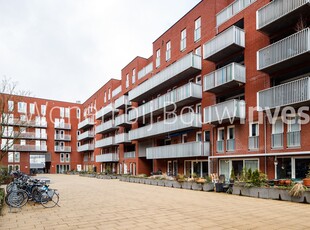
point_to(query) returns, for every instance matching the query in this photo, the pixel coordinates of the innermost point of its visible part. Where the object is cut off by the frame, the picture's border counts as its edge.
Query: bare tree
(9, 96)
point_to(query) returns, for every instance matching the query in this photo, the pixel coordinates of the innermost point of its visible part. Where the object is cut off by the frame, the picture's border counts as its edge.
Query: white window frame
(127, 80)
(168, 50)
(43, 110)
(218, 134)
(183, 40)
(198, 80)
(10, 106)
(197, 31)
(133, 78)
(22, 107)
(198, 51)
(250, 129)
(228, 128)
(197, 134)
(157, 58)
(32, 108)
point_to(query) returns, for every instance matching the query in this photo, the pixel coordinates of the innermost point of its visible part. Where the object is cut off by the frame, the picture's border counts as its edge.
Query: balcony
(106, 111)
(277, 141)
(62, 126)
(122, 102)
(122, 120)
(293, 139)
(184, 67)
(231, 10)
(88, 122)
(106, 127)
(192, 149)
(116, 91)
(86, 135)
(289, 51)
(128, 155)
(181, 96)
(280, 14)
(106, 142)
(122, 138)
(182, 122)
(107, 157)
(224, 44)
(295, 93)
(26, 148)
(24, 123)
(254, 143)
(27, 135)
(60, 137)
(86, 147)
(145, 71)
(227, 111)
(224, 79)
(63, 149)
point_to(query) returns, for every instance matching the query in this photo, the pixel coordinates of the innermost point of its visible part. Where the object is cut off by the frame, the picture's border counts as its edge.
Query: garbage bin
(219, 187)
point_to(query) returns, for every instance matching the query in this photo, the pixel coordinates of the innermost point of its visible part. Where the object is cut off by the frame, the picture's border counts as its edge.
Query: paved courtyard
(88, 203)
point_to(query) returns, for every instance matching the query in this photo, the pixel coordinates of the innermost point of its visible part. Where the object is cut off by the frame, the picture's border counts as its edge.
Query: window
(198, 136)
(10, 106)
(253, 136)
(67, 112)
(168, 51)
(62, 157)
(62, 111)
(109, 94)
(198, 108)
(22, 107)
(198, 51)
(184, 138)
(78, 113)
(105, 96)
(293, 132)
(220, 140)
(197, 32)
(157, 58)
(198, 80)
(207, 136)
(10, 157)
(67, 157)
(43, 110)
(31, 108)
(183, 40)
(16, 157)
(277, 134)
(230, 138)
(127, 80)
(133, 79)
(23, 142)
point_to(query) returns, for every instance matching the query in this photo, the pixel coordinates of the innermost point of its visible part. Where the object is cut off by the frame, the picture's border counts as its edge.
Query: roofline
(132, 61)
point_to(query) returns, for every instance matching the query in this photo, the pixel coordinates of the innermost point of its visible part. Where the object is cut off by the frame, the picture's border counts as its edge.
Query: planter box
(197, 186)
(284, 195)
(237, 190)
(161, 182)
(263, 193)
(176, 184)
(187, 185)
(148, 181)
(307, 197)
(154, 182)
(245, 191)
(208, 187)
(274, 194)
(169, 183)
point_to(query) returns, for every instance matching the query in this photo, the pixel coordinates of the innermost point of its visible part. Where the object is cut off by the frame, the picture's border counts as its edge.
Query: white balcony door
(38, 133)
(38, 145)
(43, 133)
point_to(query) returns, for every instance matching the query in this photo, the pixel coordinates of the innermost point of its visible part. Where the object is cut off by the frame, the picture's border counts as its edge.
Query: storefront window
(284, 168)
(302, 166)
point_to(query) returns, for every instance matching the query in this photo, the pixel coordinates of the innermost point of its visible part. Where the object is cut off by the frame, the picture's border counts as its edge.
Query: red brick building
(223, 90)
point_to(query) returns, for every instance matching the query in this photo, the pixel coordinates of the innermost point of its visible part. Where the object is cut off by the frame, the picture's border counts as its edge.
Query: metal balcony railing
(253, 143)
(107, 157)
(121, 120)
(288, 94)
(191, 149)
(288, 50)
(225, 78)
(128, 155)
(224, 44)
(62, 126)
(122, 138)
(65, 149)
(106, 127)
(24, 123)
(275, 10)
(109, 141)
(188, 64)
(26, 148)
(179, 123)
(230, 145)
(220, 146)
(86, 147)
(293, 139)
(116, 91)
(86, 135)
(231, 10)
(145, 71)
(86, 123)
(277, 140)
(122, 102)
(227, 111)
(106, 111)
(60, 137)
(27, 135)
(179, 96)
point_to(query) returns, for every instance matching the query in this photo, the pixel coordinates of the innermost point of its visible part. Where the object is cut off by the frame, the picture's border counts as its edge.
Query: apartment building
(224, 89)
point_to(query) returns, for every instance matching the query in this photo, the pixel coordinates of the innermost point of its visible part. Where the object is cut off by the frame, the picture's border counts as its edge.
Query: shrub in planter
(297, 192)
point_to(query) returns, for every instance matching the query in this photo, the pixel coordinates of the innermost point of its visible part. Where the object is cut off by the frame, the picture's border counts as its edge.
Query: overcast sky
(67, 49)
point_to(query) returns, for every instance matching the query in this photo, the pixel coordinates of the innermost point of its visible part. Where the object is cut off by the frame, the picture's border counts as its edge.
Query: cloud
(67, 49)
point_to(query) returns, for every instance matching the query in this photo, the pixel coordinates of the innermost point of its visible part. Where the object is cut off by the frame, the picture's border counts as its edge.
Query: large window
(183, 40)
(22, 107)
(293, 132)
(10, 106)
(220, 140)
(277, 134)
(157, 58)
(197, 32)
(196, 168)
(253, 136)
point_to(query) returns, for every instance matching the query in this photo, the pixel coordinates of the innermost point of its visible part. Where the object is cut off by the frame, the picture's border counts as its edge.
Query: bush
(5, 177)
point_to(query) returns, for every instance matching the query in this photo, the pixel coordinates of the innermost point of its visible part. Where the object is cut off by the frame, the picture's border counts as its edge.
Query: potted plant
(306, 181)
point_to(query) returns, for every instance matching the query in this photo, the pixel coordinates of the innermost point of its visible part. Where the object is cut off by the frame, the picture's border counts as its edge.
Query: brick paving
(89, 203)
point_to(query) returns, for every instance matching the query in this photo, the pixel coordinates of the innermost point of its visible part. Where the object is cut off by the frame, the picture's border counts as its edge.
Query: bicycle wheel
(50, 198)
(16, 199)
(36, 195)
(9, 187)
